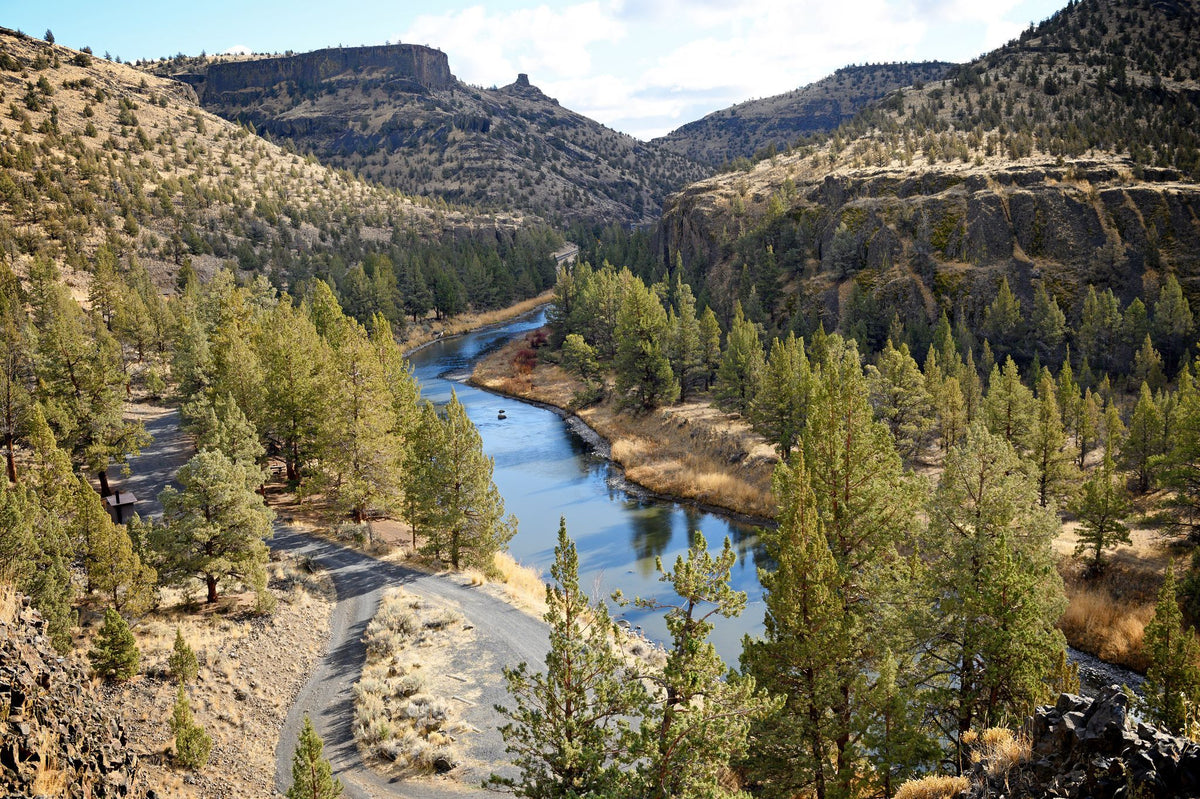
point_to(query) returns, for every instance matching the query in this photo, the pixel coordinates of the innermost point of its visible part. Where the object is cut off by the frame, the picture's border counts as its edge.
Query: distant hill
(1068, 157)
(755, 126)
(395, 114)
(98, 156)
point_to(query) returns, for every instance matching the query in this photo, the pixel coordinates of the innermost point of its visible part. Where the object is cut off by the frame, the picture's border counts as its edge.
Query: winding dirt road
(504, 636)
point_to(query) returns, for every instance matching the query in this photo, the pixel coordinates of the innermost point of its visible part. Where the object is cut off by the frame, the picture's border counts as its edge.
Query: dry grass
(429, 329)
(1096, 622)
(523, 585)
(49, 779)
(398, 717)
(999, 749)
(935, 786)
(8, 603)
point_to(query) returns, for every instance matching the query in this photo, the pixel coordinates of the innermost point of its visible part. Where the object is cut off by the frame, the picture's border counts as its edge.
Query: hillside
(756, 126)
(395, 114)
(1066, 158)
(100, 157)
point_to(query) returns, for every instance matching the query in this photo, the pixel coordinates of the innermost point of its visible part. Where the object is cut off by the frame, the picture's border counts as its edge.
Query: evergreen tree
(192, 744)
(1047, 325)
(569, 732)
(472, 525)
(312, 774)
(215, 526)
(805, 646)
(710, 346)
(687, 358)
(1172, 688)
(1009, 407)
(182, 662)
(1052, 465)
(1002, 323)
(114, 655)
(1147, 367)
(1144, 440)
(579, 358)
(423, 462)
(740, 371)
(110, 563)
(1101, 508)
(1173, 322)
(698, 722)
(991, 577)
(778, 409)
(1180, 466)
(221, 425)
(900, 399)
(1098, 323)
(644, 378)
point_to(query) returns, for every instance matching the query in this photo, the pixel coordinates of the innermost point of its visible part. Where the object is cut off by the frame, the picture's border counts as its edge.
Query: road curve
(504, 636)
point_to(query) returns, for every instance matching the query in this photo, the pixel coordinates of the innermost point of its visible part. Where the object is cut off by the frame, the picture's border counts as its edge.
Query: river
(545, 470)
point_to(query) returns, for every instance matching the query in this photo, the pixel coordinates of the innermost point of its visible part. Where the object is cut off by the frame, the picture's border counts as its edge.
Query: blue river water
(545, 470)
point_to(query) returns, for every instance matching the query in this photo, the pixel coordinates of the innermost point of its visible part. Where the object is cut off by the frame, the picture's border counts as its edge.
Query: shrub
(115, 654)
(182, 663)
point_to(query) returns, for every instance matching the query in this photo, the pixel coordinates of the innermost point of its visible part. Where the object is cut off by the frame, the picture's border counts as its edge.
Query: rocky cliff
(55, 737)
(938, 237)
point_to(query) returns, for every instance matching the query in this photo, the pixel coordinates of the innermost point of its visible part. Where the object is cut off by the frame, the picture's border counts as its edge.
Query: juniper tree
(569, 731)
(114, 654)
(312, 774)
(1052, 465)
(1179, 467)
(779, 407)
(1009, 407)
(644, 378)
(1143, 443)
(687, 356)
(214, 526)
(182, 662)
(710, 346)
(192, 744)
(900, 399)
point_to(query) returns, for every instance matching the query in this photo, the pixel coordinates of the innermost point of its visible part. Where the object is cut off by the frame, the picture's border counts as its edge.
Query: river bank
(690, 451)
(429, 330)
(695, 452)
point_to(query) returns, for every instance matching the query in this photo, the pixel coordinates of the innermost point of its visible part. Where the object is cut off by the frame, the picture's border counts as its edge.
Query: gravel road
(504, 636)
(155, 468)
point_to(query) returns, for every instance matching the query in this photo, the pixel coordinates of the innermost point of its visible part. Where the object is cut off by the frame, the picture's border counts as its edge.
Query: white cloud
(237, 49)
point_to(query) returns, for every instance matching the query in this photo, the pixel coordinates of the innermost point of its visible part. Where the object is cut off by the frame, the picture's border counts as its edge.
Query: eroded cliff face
(241, 82)
(924, 236)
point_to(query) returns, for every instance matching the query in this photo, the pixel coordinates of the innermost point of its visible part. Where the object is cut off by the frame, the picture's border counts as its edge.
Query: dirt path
(154, 469)
(504, 636)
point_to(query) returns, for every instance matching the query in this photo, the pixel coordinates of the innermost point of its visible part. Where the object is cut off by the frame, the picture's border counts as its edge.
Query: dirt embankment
(692, 450)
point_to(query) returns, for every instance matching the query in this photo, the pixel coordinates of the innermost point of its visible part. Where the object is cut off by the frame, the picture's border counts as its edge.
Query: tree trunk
(12, 462)
(104, 489)
(211, 581)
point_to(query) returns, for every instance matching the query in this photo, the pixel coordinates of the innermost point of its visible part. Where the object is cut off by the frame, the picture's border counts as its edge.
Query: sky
(643, 67)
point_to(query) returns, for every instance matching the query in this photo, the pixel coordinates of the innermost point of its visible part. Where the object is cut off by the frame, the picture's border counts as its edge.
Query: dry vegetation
(934, 786)
(431, 329)
(251, 667)
(404, 702)
(693, 451)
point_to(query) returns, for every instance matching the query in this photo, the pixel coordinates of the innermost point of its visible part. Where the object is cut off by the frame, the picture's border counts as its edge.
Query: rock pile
(1091, 748)
(55, 738)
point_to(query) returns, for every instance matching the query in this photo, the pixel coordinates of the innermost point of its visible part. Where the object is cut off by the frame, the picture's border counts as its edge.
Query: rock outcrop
(56, 739)
(1092, 748)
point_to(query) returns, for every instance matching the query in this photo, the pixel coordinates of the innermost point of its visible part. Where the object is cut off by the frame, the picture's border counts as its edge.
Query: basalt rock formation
(56, 736)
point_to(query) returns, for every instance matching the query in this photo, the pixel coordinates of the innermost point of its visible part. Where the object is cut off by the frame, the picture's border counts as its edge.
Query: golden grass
(935, 786)
(8, 602)
(999, 749)
(428, 330)
(1109, 628)
(523, 585)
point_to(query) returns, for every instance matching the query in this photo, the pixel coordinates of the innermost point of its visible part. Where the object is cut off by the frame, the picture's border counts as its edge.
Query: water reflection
(544, 470)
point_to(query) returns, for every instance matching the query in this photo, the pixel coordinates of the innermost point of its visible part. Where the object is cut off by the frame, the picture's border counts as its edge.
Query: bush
(182, 663)
(192, 743)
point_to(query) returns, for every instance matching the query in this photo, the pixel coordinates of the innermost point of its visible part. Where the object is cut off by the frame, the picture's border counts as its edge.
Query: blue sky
(643, 67)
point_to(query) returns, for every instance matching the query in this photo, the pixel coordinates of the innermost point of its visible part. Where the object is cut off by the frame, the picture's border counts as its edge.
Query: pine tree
(644, 378)
(687, 358)
(1047, 325)
(1002, 323)
(1101, 507)
(992, 579)
(1172, 687)
(740, 371)
(569, 733)
(804, 648)
(1009, 407)
(1052, 465)
(114, 655)
(779, 408)
(215, 526)
(1173, 322)
(697, 722)
(1180, 466)
(312, 774)
(423, 461)
(710, 346)
(192, 744)
(1144, 440)
(900, 399)
(472, 526)
(182, 662)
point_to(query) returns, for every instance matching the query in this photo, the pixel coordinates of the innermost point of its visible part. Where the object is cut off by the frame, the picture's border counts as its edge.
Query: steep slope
(97, 155)
(1065, 158)
(745, 129)
(395, 114)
